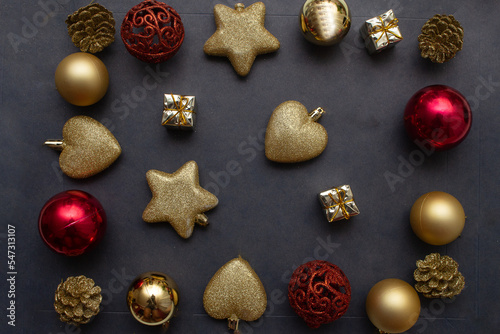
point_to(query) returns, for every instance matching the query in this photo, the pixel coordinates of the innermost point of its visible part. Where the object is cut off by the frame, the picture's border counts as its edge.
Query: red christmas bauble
(319, 292)
(438, 116)
(152, 31)
(72, 222)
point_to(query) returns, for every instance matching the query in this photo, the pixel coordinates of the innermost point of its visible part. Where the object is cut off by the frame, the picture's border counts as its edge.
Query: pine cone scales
(92, 28)
(441, 38)
(438, 277)
(77, 300)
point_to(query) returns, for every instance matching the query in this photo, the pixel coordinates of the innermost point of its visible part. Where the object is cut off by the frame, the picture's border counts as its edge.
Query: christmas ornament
(178, 199)
(393, 306)
(437, 218)
(82, 79)
(438, 116)
(179, 111)
(235, 293)
(72, 222)
(77, 300)
(319, 292)
(241, 35)
(338, 203)
(152, 299)
(152, 31)
(441, 38)
(381, 32)
(91, 28)
(88, 147)
(325, 22)
(293, 135)
(438, 277)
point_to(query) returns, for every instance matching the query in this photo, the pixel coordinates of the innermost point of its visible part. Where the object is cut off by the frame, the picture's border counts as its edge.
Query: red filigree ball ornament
(72, 222)
(319, 292)
(152, 31)
(438, 117)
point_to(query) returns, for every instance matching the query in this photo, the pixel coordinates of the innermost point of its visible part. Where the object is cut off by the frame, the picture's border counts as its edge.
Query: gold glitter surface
(88, 147)
(438, 277)
(441, 38)
(77, 300)
(178, 199)
(241, 35)
(92, 28)
(292, 135)
(235, 290)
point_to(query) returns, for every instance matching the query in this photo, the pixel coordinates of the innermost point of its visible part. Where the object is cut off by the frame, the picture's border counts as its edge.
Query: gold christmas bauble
(82, 79)
(437, 218)
(152, 299)
(325, 22)
(393, 305)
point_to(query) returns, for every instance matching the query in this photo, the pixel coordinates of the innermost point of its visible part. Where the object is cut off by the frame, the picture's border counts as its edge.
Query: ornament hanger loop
(316, 113)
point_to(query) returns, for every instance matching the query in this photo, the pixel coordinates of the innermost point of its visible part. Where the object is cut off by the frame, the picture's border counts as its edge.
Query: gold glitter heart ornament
(235, 292)
(88, 147)
(293, 135)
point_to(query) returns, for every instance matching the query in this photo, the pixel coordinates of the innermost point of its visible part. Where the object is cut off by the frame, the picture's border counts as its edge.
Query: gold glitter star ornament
(178, 199)
(241, 35)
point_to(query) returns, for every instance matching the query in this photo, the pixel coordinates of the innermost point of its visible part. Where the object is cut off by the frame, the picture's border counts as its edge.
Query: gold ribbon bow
(340, 204)
(385, 29)
(181, 109)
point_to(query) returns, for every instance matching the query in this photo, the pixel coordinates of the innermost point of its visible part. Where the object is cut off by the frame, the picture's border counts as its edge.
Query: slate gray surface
(268, 213)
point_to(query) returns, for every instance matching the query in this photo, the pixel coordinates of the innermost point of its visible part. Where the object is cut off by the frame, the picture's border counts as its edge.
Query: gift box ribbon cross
(340, 203)
(180, 107)
(385, 29)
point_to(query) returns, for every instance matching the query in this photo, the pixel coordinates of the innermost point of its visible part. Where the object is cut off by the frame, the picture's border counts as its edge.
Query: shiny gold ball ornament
(393, 306)
(152, 299)
(82, 79)
(437, 218)
(235, 293)
(325, 22)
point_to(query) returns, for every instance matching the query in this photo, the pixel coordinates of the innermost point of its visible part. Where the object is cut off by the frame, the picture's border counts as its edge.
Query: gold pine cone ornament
(441, 38)
(77, 300)
(438, 277)
(91, 28)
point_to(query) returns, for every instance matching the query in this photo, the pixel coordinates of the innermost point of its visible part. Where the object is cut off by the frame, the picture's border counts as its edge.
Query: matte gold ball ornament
(393, 306)
(325, 22)
(437, 218)
(82, 79)
(152, 299)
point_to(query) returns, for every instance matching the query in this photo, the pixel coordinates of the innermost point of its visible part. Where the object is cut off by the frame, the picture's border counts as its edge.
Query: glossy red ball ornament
(72, 222)
(319, 292)
(438, 116)
(152, 31)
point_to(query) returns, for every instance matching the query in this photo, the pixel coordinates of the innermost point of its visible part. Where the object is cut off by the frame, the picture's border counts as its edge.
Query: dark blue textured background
(269, 212)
